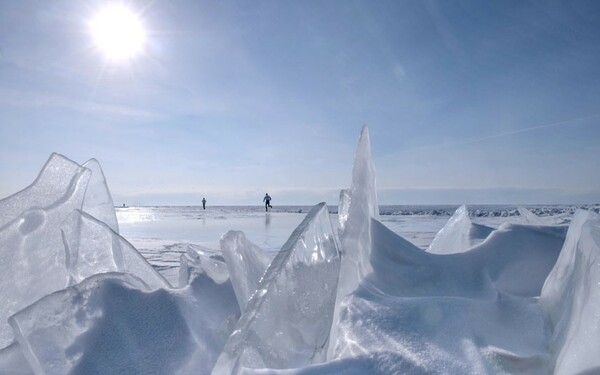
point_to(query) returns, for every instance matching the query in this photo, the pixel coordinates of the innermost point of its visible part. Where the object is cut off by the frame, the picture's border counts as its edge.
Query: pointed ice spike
(363, 177)
(246, 263)
(286, 322)
(98, 201)
(362, 206)
(459, 234)
(454, 236)
(530, 217)
(357, 207)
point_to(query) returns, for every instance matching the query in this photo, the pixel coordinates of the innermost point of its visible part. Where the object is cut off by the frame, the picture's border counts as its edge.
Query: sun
(118, 33)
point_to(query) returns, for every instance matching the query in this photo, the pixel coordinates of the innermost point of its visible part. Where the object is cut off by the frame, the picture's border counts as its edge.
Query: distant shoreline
(478, 210)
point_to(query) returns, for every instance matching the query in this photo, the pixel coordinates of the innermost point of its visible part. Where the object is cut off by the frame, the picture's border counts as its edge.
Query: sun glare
(118, 32)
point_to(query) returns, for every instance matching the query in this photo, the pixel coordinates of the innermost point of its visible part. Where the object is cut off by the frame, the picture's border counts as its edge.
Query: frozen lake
(160, 233)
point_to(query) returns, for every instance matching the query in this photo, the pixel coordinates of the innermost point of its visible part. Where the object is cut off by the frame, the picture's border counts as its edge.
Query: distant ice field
(161, 233)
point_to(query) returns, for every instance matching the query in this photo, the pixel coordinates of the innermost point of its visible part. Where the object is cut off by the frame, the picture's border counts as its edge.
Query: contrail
(554, 124)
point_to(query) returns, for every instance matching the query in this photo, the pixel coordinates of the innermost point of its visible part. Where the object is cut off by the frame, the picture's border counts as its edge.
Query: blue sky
(466, 101)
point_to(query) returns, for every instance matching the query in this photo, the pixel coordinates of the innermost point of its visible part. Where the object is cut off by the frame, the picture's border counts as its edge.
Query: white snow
(78, 298)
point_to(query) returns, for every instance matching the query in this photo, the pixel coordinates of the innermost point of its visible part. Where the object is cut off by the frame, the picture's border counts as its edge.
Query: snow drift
(79, 299)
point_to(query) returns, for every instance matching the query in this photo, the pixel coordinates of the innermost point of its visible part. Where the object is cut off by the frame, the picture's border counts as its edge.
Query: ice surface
(459, 234)
(287, 321)
(202, 260)
(116, 324)
(571, 299)
(246, 263)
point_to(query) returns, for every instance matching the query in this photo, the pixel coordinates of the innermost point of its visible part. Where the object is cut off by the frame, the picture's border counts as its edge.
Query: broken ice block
(361, 205)
(53, 181)
(48, 242)
(343, 207)
(357, 206)
(201, 260)
(286, 322)
(459, 234)
(530, 217)
(571, 299)
(32, 252)
(96, 248)
(246, 263)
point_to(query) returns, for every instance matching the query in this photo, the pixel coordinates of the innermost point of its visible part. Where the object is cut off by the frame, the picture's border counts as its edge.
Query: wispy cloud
(45, 100)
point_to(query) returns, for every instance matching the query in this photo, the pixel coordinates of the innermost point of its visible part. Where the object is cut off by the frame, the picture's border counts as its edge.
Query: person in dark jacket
(267, 200)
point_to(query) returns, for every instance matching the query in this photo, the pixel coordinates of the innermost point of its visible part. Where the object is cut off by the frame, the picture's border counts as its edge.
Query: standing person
(204, 203)
(267, 200)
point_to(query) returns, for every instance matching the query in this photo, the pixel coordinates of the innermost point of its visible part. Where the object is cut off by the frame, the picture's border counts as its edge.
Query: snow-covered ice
(385, 289)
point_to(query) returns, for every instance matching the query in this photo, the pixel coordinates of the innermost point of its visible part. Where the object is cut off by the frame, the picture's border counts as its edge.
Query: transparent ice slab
(286, 322)
(95, 248)
(246, 263)
(361, 205)
(202, 260)
(32, 251)
(47, 242)
(98, 201)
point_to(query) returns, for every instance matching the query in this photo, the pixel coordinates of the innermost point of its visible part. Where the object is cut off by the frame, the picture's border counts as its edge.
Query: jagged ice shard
(459, 234)
(356, 208)
(286, 322)
(96, 248)
(361, 205)
(530, 217)
(201, 260)
(48, 243)
(34, 258)
(246, 263)
(571, 299)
